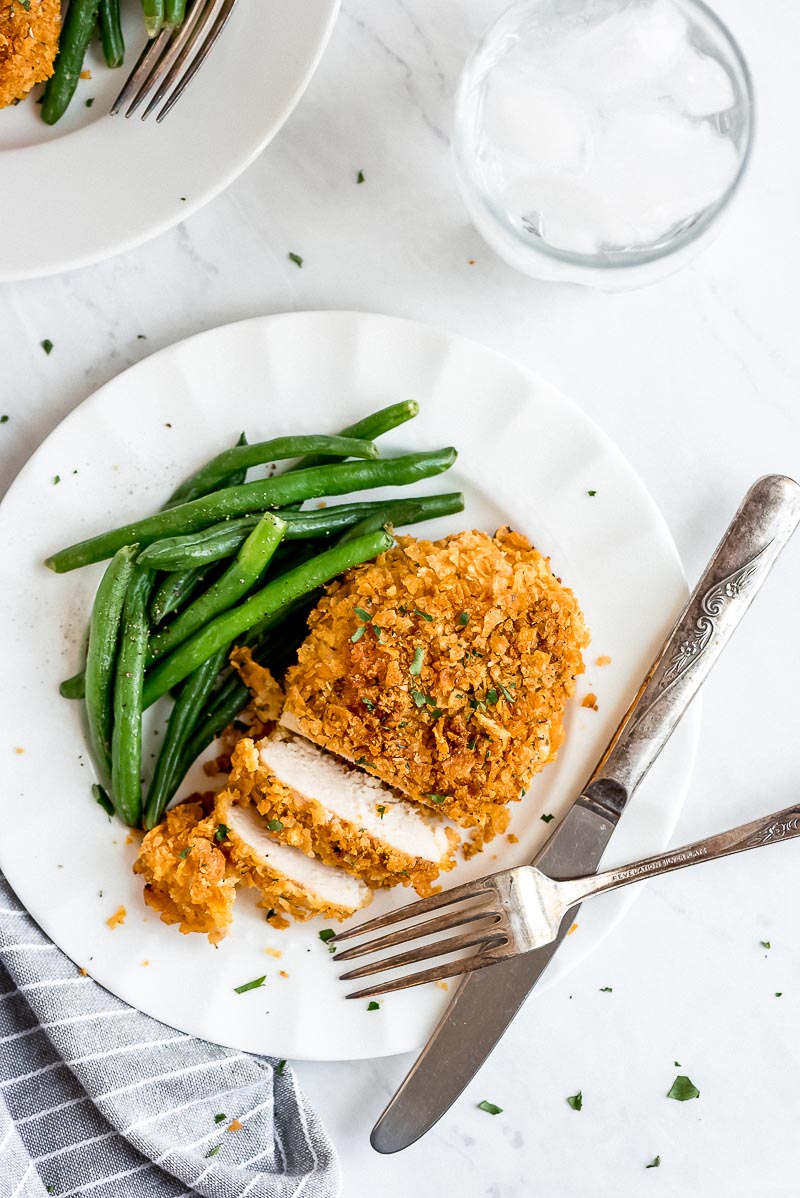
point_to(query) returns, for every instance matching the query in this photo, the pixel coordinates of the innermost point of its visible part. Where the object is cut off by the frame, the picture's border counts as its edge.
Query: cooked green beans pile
(226, 562)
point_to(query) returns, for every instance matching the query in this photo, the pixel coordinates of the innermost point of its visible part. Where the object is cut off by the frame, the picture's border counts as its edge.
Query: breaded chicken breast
(444, 669)
(29, 31)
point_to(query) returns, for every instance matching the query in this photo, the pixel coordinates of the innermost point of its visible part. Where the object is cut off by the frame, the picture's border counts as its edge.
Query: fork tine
(412, 910)
(202, 54)
(442, 947)
(170, 64)
(441, 923)
(437, 974)
(143, 68)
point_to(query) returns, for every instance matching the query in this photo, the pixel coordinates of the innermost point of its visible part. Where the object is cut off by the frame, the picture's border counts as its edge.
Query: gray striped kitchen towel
(98, 1099)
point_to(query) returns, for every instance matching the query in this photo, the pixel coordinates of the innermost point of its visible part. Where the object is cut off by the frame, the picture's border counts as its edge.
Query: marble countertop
(696, 379)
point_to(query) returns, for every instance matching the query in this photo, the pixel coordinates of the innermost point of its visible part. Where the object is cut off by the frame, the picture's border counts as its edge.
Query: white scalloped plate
(95, 185)
(528, 457)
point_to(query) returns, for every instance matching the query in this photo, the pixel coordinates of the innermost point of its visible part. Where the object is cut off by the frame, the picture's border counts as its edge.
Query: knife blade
(487, 1000)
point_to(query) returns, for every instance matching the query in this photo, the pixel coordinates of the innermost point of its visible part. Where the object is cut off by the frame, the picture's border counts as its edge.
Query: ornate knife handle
(769, 829)
(768, 516)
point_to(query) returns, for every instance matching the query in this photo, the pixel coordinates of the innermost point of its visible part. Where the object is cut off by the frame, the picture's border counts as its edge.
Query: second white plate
(528, 457)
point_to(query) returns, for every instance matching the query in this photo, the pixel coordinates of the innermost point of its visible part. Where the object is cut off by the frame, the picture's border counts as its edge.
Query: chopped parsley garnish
(606, 989)
(363, 616)
(359, 632)
(370, 706)
(424, 615)
(765, 944)
(492, 696)
(373, 1006)
(221, 833)
(437, 798)
(184, 853)
(416, 665)
(256, 984)
(90, 102)
(363, 761)
(3, 419)
(593, 493)
(490, 1108)
(506, 693)
(47, 345)
(275, 825)
(298, 261)
(360, 177)
(677, 1064)
(419, 698)
(546, 818)
(576, 1101)
(280, 1068)
(654, 1164)
(327, 934)
(471, 743)
(381, 811)
(213, 1151)
(56, 479)
(463, 619)
(220, 1118)
(683, 1089)
(779, 994)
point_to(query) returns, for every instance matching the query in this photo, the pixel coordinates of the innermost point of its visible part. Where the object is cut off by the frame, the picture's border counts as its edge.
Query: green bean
(372, 426)
(111, 33)
(174, 13)
(271, 599)
(183, 717)
(153, 16)
(279, 449)
(223, 539)
(74, 687)
(256, 496)
(126, 739)
(399, 512)
(101, 653)
(76, 33)
(240, 578)
(173, 591)
(197, 548)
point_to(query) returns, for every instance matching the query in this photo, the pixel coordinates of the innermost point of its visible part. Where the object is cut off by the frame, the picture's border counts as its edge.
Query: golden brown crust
(306, 825)
(267, 703)
(28, 45)
(484, 712)
(187, 878)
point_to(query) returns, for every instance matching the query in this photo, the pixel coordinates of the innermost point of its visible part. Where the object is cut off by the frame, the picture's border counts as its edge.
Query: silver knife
(487, 1000)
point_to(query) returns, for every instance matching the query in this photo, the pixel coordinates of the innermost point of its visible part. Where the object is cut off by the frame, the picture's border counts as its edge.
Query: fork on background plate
(166, 64)
(517, 910)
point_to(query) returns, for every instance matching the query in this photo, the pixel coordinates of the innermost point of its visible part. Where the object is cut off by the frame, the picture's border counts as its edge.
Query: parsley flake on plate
(765, 944)
(279, 1068)
(298, 261)
(360, 177)
(576, 1101)
(373, 1006)
(437, 798)
(606, 989)
(546, 818)
(683, 1089)
(220, 1118)
(213, 1151)
(47, 345)
(654, 1164)
(327, 934)
(256, 984)
(275, 825)
(592, 493)
(490, 1108)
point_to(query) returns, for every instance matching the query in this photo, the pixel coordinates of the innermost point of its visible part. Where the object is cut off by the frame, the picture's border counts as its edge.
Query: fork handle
(770, 829)
(769, 514)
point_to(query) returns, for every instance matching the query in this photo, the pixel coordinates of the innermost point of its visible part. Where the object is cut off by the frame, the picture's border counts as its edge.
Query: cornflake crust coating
(28, 45)
(443, 668)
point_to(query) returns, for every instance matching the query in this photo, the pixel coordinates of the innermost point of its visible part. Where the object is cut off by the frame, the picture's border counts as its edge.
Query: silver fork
(163, 59)
(517, 910)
